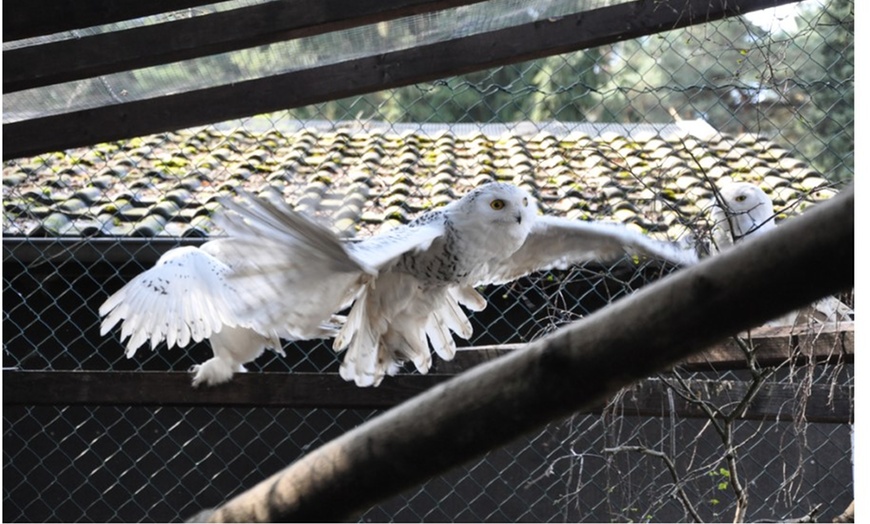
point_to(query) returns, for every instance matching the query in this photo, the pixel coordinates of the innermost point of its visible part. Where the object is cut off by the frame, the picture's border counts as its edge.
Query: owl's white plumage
(746, 211)
(404, 287)
(187, 297)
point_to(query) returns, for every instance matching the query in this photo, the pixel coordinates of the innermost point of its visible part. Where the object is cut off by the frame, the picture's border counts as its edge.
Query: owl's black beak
(519, 218)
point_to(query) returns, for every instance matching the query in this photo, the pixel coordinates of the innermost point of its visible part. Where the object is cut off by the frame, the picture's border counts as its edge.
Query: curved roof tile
(167, 184)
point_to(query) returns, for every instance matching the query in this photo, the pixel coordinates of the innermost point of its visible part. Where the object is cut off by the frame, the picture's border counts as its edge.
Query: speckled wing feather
(382, 250)
(555, 242)
(185, 296)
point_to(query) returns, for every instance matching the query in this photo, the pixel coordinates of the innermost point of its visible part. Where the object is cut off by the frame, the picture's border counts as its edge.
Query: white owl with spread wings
(403, 288)
(744, 211)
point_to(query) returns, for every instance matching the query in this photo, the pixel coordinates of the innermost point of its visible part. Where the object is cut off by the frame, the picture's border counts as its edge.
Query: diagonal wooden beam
(29, 18)
(251, 26)
(300, 88)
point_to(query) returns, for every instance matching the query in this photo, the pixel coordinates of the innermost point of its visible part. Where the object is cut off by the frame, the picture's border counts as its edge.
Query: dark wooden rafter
(772, 346)
(399, 68)
(29, 18)
(34, 251)
(242, 28)
(328, 390)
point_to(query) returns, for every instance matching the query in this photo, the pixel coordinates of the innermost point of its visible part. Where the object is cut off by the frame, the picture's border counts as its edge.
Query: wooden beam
(649, 398)
(773, 346)
(398, 68)
(138, 388)
(251, 26)
(30, 251)
(29, 18)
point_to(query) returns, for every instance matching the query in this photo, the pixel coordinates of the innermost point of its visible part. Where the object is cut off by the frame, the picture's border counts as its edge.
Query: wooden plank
(774, 401)
(251, 26)
(29, 18)
(649, 398)
(298, 390)
(773, 346)
(30, 251)
(399, 68)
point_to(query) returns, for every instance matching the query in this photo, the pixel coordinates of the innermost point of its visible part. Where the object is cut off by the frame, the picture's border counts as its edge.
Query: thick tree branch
(807, 258)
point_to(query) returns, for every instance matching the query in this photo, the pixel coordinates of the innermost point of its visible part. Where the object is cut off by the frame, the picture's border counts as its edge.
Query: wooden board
(29, 18)
(772, 346)
(310, 390)
(187, 38)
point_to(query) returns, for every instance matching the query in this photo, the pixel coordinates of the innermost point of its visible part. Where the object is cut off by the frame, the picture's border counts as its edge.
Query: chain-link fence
(764, 99)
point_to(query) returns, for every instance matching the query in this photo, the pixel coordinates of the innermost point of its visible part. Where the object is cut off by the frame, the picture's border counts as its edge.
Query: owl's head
(499, 207)
(747, 210)
(501, 203)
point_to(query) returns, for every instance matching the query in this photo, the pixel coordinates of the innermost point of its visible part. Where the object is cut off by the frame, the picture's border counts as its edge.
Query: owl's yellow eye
(740, 198)
(525, 202)
(497, 204)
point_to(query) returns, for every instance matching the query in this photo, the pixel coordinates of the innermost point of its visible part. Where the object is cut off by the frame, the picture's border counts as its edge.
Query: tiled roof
(167, 184)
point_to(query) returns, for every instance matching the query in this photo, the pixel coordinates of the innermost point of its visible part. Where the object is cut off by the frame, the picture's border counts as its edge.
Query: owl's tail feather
(409, 344)
(468, 297)
(450, 317)
(364, 361)
(440, 337)
(376, 349)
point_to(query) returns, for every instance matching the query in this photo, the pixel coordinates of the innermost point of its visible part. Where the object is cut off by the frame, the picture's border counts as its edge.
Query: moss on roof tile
(167, 184)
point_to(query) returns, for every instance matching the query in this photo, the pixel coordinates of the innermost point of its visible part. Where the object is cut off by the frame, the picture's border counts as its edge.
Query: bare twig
(679, 492)
(724, 422)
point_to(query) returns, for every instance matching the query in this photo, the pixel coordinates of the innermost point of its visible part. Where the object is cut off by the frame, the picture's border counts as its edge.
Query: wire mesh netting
(765, 99)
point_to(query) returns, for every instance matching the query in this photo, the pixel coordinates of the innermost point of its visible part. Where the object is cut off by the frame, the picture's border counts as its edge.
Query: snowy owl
(746, 210)
(280, 274)
(186, 296)
(405, 286)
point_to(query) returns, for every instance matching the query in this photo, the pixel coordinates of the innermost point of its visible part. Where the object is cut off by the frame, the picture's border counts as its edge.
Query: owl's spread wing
(252, 221)
(297, 272)
(185, 296)
(558, 243)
